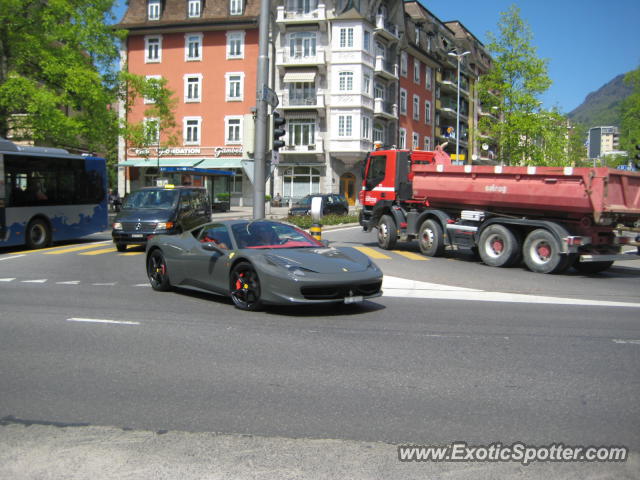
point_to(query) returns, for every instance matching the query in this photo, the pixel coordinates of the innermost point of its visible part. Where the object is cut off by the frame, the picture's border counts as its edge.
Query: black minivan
(155, 210)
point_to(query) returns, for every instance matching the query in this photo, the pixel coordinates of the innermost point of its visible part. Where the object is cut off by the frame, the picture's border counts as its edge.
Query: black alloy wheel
(157, 272)
(245, 287)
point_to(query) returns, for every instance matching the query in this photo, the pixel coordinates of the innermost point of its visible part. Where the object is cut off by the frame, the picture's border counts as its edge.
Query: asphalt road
(496, 360)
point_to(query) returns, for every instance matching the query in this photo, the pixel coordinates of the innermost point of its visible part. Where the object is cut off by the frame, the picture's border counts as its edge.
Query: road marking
(70, 282)
(410, 255)
(99, 252)
(111, 284)
(370, 252)
(42, 280)
(400, 287)
(142, 285)
(129, 254)
(632, 342)
(12, 256)
(98, 320)
(7, 279)
(74, 249)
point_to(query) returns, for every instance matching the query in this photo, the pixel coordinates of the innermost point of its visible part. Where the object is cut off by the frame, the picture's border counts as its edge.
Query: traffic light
(278, 131)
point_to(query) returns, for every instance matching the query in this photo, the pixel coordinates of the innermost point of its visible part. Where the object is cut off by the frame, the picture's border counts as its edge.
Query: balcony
(315, 148)
(386, 69)
(287, 16)
(448, 108)
(284, 59)
(385, 109)
(386, 29)
(301, 102)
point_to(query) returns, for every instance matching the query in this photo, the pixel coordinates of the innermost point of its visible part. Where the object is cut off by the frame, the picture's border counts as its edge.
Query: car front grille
(335, 292)
(139, 226)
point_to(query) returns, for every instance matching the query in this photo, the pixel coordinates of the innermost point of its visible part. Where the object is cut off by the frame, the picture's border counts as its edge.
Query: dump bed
(601, 193)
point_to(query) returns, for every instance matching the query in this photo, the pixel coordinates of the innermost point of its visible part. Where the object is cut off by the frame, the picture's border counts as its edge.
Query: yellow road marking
(99, 252)
(128, 254)
(370, 252)
(48, 249)
(410, 255)
(74, 249)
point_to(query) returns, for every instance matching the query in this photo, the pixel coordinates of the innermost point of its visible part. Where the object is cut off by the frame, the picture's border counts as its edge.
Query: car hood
(145, 215)
(322, 259)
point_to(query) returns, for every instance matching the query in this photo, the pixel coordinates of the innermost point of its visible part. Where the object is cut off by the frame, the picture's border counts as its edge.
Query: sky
(586, 42)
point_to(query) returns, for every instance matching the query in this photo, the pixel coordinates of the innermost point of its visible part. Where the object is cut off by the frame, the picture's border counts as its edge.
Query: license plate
(137, 235)
(356, 299)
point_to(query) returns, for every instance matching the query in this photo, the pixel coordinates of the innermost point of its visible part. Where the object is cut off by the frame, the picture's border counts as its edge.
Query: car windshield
(305, 201)
(151, 199)
(266, 234)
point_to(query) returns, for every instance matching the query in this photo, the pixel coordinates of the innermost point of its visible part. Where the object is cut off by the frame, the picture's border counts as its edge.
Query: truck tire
(541, 253)
(37, 234)
(387, 233)
(589, 268)
(499, 246)
(431, 239)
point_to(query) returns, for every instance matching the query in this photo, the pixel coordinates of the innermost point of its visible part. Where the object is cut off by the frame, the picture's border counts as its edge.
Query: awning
(221, 163)
(196, 171)
(300, 77)
(164, 162)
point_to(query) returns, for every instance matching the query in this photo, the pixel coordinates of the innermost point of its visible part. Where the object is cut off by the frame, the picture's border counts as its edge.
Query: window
(427, 143)
(193, 46)
(235, 44)
(194, 8)
(301, 181)
(302, 93)
(235, 7)
(302, 131)
(366, 42)
(152, 77)
(378, 91)
(345, 124)
(233, 128)
(345, 81)
(428, 74)
(403, 64)
(302, 44)
(403, 101)
(378, 133)
(192, 88)
(416, 70)
(366, 84)
(153, 49)
(151, 131)
(366, 128)
(153, 10)
(301, 7)
(416, 141)
(191, 133)
(427, 111)
(416, 107)
(235, 90)
(346, 37)
(403, 139)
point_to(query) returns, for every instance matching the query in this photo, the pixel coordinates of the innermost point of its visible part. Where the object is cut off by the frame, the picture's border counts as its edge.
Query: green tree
(57, 72)
(630, 119)
(526, 134)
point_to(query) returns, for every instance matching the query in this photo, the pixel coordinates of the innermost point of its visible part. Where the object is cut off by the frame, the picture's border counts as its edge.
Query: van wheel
(498, 246)
(37, 234)
(121, 247)
(431, 239)
(387, 234)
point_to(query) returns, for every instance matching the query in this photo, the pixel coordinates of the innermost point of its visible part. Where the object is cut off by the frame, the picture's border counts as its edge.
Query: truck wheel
(387, 233)
(499, 246)
(589, 268)
(430, 239)
(37, 234)
(541, 252)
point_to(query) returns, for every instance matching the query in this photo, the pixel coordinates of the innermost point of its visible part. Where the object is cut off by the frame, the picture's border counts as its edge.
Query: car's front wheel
(157, 272)
(245, 287)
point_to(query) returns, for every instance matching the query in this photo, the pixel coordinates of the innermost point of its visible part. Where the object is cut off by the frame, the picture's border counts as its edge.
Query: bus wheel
(38, 234)
(541, 252)
(499, 246)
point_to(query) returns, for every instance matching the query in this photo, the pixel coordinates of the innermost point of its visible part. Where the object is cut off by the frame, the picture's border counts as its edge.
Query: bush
(304, 221)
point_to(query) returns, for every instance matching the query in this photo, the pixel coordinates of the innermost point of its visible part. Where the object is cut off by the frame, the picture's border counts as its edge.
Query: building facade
(603, 141)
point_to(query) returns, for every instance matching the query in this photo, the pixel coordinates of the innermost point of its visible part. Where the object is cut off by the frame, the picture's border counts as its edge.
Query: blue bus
(49, 195)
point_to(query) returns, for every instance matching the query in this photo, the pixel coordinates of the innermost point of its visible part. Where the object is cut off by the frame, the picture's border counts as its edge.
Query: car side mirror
(212, 247)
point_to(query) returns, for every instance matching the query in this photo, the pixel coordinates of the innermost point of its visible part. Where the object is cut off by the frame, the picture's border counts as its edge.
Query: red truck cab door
(378, 182)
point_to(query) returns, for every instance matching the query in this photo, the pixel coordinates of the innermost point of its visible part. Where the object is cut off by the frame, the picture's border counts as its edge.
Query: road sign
(269, 96)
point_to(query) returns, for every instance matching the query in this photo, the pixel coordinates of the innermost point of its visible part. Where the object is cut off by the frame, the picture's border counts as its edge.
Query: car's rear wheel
(157, 272)
(121, 247)
(244, 285)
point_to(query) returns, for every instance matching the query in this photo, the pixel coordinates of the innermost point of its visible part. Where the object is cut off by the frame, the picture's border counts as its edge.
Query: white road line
(12, 256)
(42, 280)
(98, 320)
(400, 287)
(111, 284)
(631, 342)
(70, 282)
(7, 279)
(141, 285)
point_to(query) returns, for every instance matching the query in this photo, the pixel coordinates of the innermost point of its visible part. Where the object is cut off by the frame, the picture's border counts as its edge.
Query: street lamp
(459, 58)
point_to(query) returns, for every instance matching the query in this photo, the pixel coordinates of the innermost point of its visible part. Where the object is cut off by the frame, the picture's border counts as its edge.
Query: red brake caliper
(239, 282)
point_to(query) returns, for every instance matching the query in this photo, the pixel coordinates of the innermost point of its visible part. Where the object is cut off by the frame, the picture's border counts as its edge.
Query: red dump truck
(549, 217)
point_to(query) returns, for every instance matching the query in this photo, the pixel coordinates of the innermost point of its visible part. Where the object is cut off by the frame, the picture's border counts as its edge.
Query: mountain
(602, 107)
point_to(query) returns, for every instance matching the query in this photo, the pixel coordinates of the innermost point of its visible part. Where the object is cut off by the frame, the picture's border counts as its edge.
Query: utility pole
(261, 112)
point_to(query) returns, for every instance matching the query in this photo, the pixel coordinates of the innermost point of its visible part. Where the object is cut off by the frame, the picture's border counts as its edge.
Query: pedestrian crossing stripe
(51, 250)
(410, 255)
(99, 252)
(129, 254)
(370, 252)
(71, 249)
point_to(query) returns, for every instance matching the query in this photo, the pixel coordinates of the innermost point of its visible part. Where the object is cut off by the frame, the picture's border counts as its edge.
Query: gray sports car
(261, 262)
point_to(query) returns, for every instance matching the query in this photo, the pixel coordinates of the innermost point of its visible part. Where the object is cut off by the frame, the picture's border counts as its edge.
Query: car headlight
(117, 226)
(164, 226)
